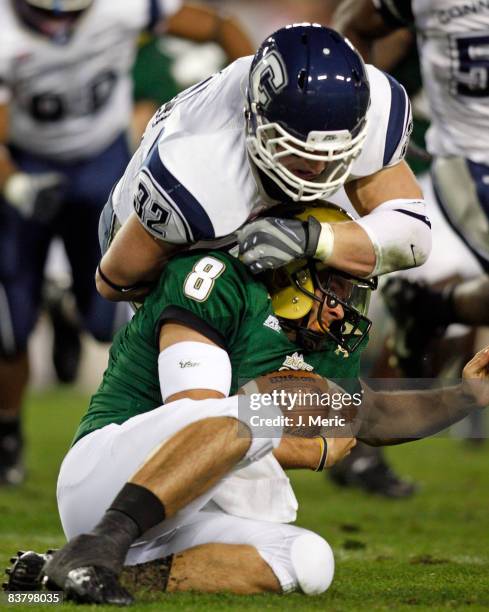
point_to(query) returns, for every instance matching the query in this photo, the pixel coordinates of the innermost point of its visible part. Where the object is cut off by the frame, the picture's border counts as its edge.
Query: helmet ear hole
(302, 79)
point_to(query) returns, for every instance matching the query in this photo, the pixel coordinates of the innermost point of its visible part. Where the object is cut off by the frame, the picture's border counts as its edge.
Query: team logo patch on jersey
(296, 362)
(272, 322)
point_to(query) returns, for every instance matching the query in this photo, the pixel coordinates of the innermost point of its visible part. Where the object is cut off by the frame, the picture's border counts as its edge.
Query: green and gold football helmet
(295, 288)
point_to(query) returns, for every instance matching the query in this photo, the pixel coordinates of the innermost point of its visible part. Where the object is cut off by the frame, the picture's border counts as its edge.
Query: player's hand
(475, 377)
(271, 242)
(338, 449)
(35, 196)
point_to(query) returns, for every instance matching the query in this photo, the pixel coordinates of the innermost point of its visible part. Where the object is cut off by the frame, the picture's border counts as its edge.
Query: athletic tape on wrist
(194, 365)
(325, 243)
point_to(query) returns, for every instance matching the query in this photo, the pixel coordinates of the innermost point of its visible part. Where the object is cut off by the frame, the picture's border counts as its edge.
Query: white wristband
(194, 365)
(325, 243)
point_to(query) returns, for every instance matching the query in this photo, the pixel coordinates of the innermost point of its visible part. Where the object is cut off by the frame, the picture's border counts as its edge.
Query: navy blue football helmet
(308, 95)
(52, 18)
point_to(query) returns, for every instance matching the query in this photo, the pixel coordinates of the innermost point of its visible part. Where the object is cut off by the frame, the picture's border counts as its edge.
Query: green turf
(428, 553)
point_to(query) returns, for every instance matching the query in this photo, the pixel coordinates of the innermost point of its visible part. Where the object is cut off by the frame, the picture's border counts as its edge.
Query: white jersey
(191, 178)
(70, 101)
(453, 41)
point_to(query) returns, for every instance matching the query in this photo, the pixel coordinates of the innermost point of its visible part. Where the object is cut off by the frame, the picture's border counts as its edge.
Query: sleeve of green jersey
(152, 77)
(205, 292)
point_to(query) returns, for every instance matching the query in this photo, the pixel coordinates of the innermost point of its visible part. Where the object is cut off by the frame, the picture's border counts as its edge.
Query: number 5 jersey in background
(453, 41)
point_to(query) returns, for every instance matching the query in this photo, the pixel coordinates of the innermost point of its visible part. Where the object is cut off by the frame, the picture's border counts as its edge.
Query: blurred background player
(65, 107)
(452, 45)
(366, 467)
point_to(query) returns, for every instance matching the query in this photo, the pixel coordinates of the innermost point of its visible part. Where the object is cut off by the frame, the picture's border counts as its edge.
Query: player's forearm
(393, 216)
(471, 301)
(108, 291)
(389, 418)
(353, 251)
(360, 22)
(296, 452)
(134, 259)
(202, 24)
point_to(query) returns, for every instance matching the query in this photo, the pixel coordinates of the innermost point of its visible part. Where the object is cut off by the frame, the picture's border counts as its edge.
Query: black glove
(273, 242)
(36, 196)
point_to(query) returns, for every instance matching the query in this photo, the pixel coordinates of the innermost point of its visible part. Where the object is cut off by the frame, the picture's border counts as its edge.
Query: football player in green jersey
(147, 482)
(169, 393)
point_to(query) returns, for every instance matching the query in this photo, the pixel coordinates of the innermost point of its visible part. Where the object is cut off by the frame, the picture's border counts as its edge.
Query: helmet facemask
(307, 98)
(336, 288)
(305, 288)
(268, 143)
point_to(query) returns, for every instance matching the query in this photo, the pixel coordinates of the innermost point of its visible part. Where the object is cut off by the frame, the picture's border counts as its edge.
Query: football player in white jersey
(65, 106)
(300, 121)
(453, 39)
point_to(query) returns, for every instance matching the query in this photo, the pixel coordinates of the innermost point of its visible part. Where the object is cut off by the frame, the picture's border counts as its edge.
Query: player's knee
(313, 563)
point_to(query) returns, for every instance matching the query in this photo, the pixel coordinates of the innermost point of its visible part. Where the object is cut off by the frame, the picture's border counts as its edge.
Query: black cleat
(85, 570)
(421, 315)
(95, 585)
(26, 571)
(12, 470)
(373, 476)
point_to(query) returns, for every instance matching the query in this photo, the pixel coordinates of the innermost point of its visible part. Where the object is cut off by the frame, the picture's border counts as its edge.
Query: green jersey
(152, 76)
(213, 293)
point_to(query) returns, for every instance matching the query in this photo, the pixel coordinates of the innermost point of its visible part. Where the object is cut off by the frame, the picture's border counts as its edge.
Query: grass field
(428, 553)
